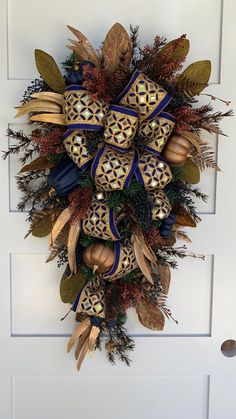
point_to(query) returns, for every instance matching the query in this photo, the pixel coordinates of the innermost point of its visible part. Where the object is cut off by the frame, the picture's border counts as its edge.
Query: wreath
(118, 155)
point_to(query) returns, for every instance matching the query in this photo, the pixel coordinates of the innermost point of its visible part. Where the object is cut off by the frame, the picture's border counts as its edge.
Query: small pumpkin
(176, 150)
(99, 257)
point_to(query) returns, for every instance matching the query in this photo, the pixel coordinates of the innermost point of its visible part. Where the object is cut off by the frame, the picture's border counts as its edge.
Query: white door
(180, 373)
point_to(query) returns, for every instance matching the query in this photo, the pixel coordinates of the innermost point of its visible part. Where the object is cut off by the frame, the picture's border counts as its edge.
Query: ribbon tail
(83, 339)
(78, 332)
(59, 224)
(72, 242)
(92, 339)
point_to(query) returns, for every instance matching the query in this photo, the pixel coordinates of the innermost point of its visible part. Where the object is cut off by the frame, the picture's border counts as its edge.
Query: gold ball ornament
(99, 257)
(176, 150)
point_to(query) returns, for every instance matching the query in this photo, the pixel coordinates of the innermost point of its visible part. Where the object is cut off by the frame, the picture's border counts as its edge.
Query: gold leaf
(184, 219)
(41, 163)
(50, 96)
(116, 44)
(180, 49)
(43, 227)
(49, 71)
(190, 172)
(142, 262)
(38, 106)
(150, 315)
(165, 277)
(192, 137)
(70, 286)
(83, 47)
(80, 329)
(59, 224)
(195, 77)
(49, 118)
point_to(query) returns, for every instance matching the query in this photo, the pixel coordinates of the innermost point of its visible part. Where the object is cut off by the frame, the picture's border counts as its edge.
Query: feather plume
(83, 48)
(92, 339)
(72, 241)
(59, 224)
(80, 329)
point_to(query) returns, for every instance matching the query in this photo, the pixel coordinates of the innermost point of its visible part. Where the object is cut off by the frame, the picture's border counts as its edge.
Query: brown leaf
(150, 315)
(83, 48)
(190, 172)
(70, 286)
(41, 163)
(165, 277)
(43, 227)
(184, 219)
(116, 45)
(142, 262)
(49, 71)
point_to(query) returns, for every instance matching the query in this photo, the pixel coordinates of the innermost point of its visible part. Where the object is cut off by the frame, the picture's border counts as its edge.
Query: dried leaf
(184, 219)
(181, 235)
(117, 44)
(83, 48)
(61, 221)
(142, 262)
(72, 242)
(70, 286)
(190, 172)
(180, 49)
(43, 227)
(150, 315)
(83, 339)
(206, 158)
(56, 118)
(192, 137)
(165, 277)
(92, 339)
(37, 105)
(195, 78)
(51, 96)
(59, 243)
(41, 163)
(49, 71)
(82, 356)
(80, 329)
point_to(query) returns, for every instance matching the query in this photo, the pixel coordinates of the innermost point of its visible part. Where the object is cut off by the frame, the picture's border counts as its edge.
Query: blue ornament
(64, 177)
(167, 225)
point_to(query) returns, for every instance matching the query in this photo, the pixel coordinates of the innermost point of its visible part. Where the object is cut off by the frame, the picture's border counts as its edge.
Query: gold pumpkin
(176, 150)
(99, 257)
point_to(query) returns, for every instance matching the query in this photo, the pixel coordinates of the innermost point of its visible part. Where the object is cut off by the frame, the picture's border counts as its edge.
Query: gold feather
(142, 262)
(50, 118)
(37, 105)
(51, 96)
(82, 341)
(148, 252)
(59, 224)
(83, 49)
(82, 355)
(72, 241)
(80, 329)
(92, 339)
